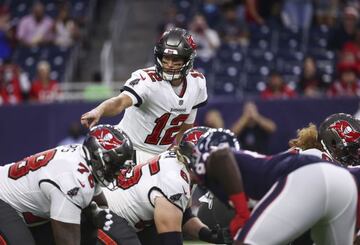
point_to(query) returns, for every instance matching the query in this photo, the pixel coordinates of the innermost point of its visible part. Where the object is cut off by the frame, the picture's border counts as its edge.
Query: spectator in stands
(6, 34)
(213, 119)
(277, 88)
(43, 88)
(348, 83)
(207, 39)
(65, 29)
(172, 19)
(310, 83)
(253, 130)
(350, 53)
(231, 30)
(14, 84)
(326, 12)
(262, 11)
(76, 134)
(346, 31)
(297, 14)
(252, 12)
(211, 11)
(35, 29)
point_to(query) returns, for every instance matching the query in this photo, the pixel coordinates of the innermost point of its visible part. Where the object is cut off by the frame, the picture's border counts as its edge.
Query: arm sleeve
(174, 188)
(61, 208)
(132, 96)
(192, 116)
(202, 95)
(136, 87)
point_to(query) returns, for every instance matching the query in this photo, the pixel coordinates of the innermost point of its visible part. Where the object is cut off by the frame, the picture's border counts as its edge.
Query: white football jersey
(158, 112)
(22, 183)
(163, 175)
(314, 152)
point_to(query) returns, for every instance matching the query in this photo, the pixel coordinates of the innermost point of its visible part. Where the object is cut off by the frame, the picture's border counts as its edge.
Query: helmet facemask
(172, 74)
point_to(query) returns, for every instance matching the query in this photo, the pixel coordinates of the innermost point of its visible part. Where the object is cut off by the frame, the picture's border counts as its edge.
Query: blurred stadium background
(298, 60)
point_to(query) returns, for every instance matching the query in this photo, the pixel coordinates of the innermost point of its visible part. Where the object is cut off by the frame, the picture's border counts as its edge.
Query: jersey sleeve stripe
(57, 186)
(130, 90)
(200, 105)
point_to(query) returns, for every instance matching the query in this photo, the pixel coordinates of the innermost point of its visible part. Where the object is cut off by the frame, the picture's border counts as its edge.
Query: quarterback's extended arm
(108, 108)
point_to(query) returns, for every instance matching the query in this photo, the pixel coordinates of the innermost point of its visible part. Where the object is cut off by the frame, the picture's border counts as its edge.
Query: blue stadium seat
(204, 66)
(19, 8)
(226, 85)
(318, 37)
(27, 58)
(259, 66)
(286, 66)
(229, 69)
(254, 83)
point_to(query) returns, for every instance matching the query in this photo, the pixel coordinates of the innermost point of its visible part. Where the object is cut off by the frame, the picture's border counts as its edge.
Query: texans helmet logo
(345, 131)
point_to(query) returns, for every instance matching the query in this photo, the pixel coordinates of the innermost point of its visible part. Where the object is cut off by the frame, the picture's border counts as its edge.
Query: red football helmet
(340, 137)
(108, 150)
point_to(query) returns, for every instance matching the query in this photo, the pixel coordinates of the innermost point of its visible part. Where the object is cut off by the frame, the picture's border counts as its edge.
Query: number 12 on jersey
(155, 137)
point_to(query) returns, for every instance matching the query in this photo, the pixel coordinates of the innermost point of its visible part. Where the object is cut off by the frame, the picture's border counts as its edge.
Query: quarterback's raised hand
(91, 118)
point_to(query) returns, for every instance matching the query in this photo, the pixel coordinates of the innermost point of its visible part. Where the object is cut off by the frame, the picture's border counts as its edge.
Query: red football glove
(242, 212)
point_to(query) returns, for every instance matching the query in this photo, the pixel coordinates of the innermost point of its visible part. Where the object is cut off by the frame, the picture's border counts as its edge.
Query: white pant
(143, 156)
(319, 196)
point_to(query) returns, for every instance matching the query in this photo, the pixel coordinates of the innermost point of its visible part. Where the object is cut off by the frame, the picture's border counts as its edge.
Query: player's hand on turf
(91, 118)
(221, 235)
(101, 217)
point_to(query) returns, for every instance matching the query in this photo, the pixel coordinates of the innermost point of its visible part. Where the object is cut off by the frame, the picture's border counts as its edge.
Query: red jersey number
(31, 163)
(155, 137)
(131, 177)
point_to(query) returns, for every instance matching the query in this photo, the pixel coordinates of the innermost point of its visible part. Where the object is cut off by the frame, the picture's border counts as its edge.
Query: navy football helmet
(340, 136)
(179, 43)
(108, 150)
(211, 140)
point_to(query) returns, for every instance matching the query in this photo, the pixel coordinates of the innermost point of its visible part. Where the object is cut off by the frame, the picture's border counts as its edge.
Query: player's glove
(100, 217)
(217, 235)
(242, 212)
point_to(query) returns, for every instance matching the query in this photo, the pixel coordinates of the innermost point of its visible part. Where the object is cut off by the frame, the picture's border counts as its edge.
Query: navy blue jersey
(260, 172)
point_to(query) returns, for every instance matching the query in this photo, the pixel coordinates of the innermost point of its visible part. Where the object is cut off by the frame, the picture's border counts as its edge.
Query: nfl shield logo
(181, 102)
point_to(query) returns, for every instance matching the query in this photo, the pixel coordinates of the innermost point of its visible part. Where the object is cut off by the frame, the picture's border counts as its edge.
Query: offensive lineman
(57, 184)
(161, 101)
(338, 138)
(158, 192)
